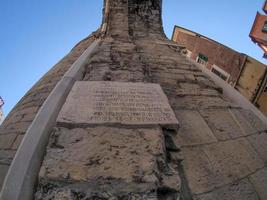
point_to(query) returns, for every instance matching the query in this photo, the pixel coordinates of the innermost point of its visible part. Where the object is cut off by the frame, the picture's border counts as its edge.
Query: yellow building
(252, 83)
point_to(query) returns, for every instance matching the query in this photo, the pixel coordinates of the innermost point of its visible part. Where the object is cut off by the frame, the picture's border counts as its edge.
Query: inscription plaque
(100, 102)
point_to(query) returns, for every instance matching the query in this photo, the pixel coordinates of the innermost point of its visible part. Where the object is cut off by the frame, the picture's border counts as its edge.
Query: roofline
(203, 36)
(176, 26)
(254, 24)
(173, 31)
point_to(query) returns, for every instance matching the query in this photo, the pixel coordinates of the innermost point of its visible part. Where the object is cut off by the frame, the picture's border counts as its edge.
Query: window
(264, 29)
(202, 59)
(219, 72)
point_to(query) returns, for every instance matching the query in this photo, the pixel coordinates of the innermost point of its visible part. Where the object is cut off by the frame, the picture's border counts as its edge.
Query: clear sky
(35, 34)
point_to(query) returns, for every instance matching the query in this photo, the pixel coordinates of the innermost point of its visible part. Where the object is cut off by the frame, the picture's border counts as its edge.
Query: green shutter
(264, 29)
(203, 57)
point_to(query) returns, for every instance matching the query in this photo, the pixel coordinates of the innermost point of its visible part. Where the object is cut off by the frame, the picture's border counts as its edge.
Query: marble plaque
(125, 103)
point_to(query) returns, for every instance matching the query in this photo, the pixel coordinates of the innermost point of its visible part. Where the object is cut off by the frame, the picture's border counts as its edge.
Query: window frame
(264, 28)
(220, 73)
(202, 61)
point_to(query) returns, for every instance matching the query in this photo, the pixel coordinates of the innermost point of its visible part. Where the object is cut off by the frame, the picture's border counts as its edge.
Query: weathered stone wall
(19, 119)
(218, 152)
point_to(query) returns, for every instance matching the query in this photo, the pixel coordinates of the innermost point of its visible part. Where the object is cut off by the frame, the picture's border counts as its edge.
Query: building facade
(220, 59)
(258, 33)
(241, 71)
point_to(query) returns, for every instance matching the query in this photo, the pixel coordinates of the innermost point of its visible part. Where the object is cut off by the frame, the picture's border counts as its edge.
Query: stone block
(6, 156)
(222, 123)
(189, 77)
(193, 129)
(249, 121)
(29, 110)
(3, 172)
(195, 90)
(242, 190)
(211, 166)
(172, 82)
(259, 142)
(20, 126)
(203, 80)
(7, 140)
(85, 155)
(100, 102)
(10, 131)
(177, 71)
(259, 181)
(200, 102)
(181, 77)
(165, 75)
(254, 120)
(17, 142)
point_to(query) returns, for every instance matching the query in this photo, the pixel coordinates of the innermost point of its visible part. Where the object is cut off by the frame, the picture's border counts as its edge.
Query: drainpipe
(262, 87)
(242, 67)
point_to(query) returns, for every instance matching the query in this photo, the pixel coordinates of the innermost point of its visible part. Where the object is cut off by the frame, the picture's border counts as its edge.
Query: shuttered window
(264, 29)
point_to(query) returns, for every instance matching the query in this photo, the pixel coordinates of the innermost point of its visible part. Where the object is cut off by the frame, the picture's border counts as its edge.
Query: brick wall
(256, 32)
(218, 54)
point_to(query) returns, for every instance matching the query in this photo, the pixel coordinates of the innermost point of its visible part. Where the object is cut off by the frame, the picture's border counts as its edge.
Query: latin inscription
(96, 102)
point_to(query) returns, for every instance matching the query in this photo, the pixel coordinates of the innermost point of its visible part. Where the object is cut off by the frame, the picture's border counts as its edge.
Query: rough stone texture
(195, 89)
(201, 102)
(6, 156)
(7, 140)
(249, 121)
(122, 154)
(259, 142)
(132, 158)
(193, 130)
(210, 166)
(222, 124)
(241, 190)
(17, 142)
(3, 171)
(259, 180)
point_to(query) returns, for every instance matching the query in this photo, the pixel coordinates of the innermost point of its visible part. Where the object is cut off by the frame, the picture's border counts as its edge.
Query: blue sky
(36, 34)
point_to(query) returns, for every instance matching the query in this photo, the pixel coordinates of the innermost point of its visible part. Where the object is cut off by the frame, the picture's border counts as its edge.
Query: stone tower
(125, 116)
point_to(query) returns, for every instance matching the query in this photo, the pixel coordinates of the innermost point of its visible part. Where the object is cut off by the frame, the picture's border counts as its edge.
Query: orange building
(258, 33)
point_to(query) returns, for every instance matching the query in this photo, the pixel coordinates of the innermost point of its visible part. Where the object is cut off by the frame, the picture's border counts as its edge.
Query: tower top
(132, 18)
